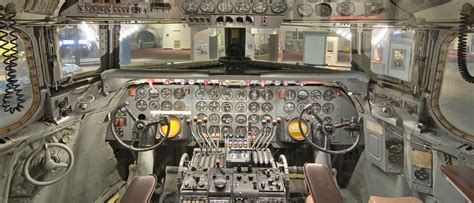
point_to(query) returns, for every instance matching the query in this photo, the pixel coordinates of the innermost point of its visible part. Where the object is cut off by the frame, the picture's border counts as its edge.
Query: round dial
(214, 106)
(227, 94)
(214, 94)
(241, 131)
(259, 7)
(301, 106)
(140, 92)
(226, 107)
(328, 95)
(241, 95)
(254, 131)
(242, 7)
(290, 95)
(345, 8)
(315, 95)
(213, 130)
(328, 108)
(267, 107)
(267, 117)
(254, 119)
(254, 94)
(303, 95)
(153, 93)
(207, 7)
(214, 119)
(279, 7)
(226, 130)
(289, 107)
(316, 107)
(241, 107)
(201, 94)
(201, 106)
(166, 93)
(141, 105)
(254, 107)
(241, 119)
(190, 7)
(224, 7)
(166, 106)
(327, 120)
(179, 93)
(323, 10)
(154, 105)
(202, 116)
(179, 106)
(267, 95)
(227, 119)
(305, 10)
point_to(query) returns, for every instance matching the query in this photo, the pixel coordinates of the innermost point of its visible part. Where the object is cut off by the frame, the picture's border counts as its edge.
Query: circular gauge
(315, 95)
(267, 107)
(190, 7)
(345, 8)
(179, 93)
(241, 119)
(316, 107)
(227, 119)
(323, 10)
(241, 95)
(254, 95)
(214, 130)
(267, 95)
(327, 120)
(305, 10)
(290, 95)
(175, 127)
(153, 93)
(201, 94)
(224, 7)
(279, 7)
(241, 107)
(289, 107)
(328, 108)
(207, 7)
(140, 92)
(241, 131)
(154, 105)
(201, 106)
(254, 131)
(242, 7)
(226, 107)
(202, 116)
(214, 119)
(254, 107)
(303, 95)
(301, 106)
(179, 106)
(141, 105)
(166, 106)
(166, 93)
(227, 94)
(294, 129)
(214, 94)
(227, 130)
(328, 95)
(214, 106)
(259, 7)
(254, 119)
(267, 117)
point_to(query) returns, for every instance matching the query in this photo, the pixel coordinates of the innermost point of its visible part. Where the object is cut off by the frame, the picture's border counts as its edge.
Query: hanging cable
(466, 13)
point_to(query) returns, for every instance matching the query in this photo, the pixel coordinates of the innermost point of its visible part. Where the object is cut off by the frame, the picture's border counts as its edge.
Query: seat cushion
(140, 190)
(375, 199)
(321, 184)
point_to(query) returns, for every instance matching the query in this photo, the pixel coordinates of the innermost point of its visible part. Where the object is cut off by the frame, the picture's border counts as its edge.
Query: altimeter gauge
(190, 7)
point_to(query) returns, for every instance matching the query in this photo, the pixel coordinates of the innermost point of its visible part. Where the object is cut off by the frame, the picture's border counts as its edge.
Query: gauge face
(227, 119)
(254, 107)
(328, 108)
(207, 7)
(213, 130)
(153, 93)
(315, 95)
(141, 105)
(241, 131)
(294, 129)
(227, 94)
(301, 106)
(267, 107)
(214, 106)
(201, 106)
(241, 119)
(303, 95)
(254, 95)
(226, 130)
(241, 95)
(254, 119)
(214, 94)
(201, 94)
(328, 95)
(327, 120)
(267, 117)
(290, 95)
(242, 7)
(166, 93)
(305, 10)
(259, 7)
(179, 93)
(202, 116)
(267, 95)
(279, 7)
(289, 107)
(140, 92)
(241, 107)
(154, 105)
(345, 8)
(166, 106)
(323, 10)
(254, 131)
(214, 119)
(190, 7)
(226, 107)
(316, 107)
(224, 7)
(179, 106)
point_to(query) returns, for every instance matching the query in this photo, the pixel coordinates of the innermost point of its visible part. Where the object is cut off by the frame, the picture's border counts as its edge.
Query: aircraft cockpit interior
(237, 101)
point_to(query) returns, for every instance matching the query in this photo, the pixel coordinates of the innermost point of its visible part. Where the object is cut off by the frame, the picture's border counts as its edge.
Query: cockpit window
(79, 48)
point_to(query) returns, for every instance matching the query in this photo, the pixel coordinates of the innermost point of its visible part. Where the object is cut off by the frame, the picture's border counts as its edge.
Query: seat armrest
(462, 178)
(140, 190)
(321, 184)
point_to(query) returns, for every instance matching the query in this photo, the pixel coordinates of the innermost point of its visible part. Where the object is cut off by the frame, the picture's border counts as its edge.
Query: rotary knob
(220, 183)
